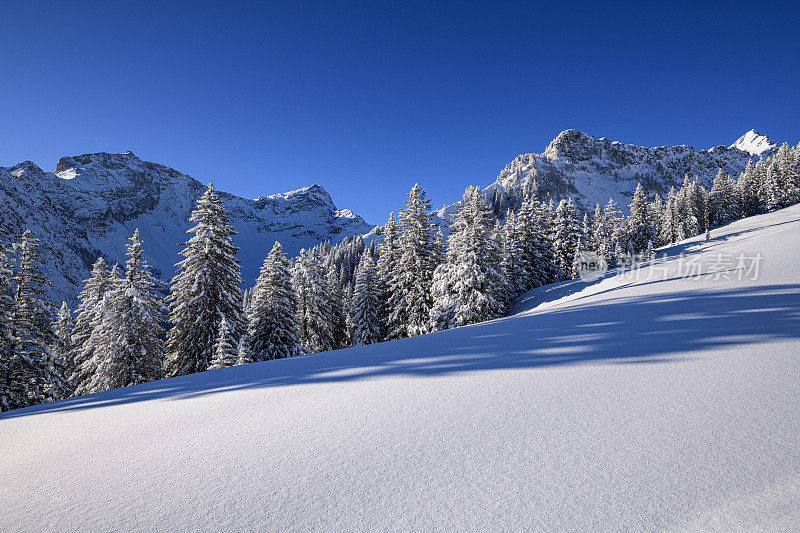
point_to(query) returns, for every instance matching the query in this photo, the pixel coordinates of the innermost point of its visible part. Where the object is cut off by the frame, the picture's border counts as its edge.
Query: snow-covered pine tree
(470, 287)
(655, 211)
(337, 309)
(577, 258)
(366, 305)
(410, 299)
(747, 190)
(62, 344)
(205, 289)
(565, 237)
(669, 220)
(243, 353)
(88, 316)
(514, 257)
(723, 204)
(639, 226)
(34, 375)
(771, 192)
(6, 330)
(272, 323)
(129, 350)
(388, 256)
(224, 351)
(613, 232)
(310, 285)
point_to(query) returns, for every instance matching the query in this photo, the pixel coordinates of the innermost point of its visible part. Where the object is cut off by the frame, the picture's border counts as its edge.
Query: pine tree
(722, 201)
(639, 227)
(470, 287)
(747, 190)
(34, 376)
(410, 299)
(365, 309)
(243, 353)
(388, 257)
(88, 317)
(337, 316)
(310, 285)
(205, 290)
(225, 353)
(514, 257)
(577, 259)
(565, 237)
(62, 345)
(6, 331)
(669, 220)
(272, 325)
(128, 347)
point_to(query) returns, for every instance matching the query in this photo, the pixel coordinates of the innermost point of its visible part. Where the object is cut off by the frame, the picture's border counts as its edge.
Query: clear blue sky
(365, 100)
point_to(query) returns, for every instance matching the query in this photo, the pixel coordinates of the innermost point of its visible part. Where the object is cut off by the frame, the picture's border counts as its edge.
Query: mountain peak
(754, 143)
(104, 158)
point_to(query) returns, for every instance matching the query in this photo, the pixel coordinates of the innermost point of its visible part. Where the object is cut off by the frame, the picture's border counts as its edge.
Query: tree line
(415, 281)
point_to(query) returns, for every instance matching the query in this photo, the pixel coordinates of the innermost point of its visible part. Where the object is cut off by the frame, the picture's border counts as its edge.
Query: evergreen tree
(313, 315)
(365, 309)
(225, 354)
(337, 317)
(205, 289)
(243, 353)
(34, 375)
(388, 257)
(6, 330)
(469, 288)
(89, 315)
(514, 257)
(62, 345)
(639, 227)
(410, 300)
(565, 237)
(272, 324)
(669, 219)
(722, 201)
(128, 347)
(747, 189)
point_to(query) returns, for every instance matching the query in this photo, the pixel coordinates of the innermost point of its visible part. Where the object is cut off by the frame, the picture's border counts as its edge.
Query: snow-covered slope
(592, 170)
(93, 203)
(656, 403)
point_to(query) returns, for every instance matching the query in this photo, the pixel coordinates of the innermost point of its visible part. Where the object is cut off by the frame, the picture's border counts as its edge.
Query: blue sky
(264, 97)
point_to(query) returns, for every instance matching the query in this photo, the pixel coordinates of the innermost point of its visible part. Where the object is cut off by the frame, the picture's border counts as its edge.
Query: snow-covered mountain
(649, 402)
(92, 203)
(754, 143)
(592, 170)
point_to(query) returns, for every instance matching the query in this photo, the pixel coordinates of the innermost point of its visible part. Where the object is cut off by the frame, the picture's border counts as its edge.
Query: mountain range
(92, 203)
(592, 170)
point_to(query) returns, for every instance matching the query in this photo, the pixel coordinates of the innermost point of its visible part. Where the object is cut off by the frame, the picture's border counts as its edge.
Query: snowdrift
(663, 398)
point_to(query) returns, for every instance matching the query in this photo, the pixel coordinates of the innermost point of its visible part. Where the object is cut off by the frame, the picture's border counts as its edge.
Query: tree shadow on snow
(647, 329)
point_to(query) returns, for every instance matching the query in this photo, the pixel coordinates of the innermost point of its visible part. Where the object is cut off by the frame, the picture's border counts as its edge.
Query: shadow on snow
(648, 329)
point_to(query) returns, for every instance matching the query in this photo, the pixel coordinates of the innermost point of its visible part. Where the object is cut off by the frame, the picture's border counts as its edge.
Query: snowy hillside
(93, 203)
(592, 170)
(663, 399)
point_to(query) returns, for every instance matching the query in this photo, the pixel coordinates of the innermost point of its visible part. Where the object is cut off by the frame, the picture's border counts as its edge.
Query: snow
(754, 143)
(618, 404)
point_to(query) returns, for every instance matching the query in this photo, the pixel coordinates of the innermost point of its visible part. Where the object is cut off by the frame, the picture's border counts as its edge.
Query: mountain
(649, 402)
(92, 203)
(754, 143)
(592, 170)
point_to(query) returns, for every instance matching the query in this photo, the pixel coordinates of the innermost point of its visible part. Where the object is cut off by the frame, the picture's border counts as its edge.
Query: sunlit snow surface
(620, 404)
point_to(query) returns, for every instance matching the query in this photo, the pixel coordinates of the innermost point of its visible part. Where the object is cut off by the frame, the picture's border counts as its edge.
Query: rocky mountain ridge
(92, 203)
